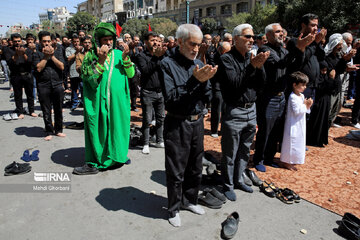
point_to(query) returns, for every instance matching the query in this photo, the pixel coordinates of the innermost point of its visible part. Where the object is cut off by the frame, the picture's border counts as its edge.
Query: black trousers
(184, 149)
(134, 90)
(216, 103)
(51, 97)
(19, 82)
(270, 120)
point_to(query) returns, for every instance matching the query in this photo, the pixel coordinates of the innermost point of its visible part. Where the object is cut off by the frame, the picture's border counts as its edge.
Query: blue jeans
(76, 84)
(238, 127)
(5, 69)
(152, 100)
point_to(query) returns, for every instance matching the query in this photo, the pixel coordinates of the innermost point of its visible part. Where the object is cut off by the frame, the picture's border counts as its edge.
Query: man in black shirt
(186, 89)
(314, 53)
(19, 60)
(49, 64)
(270, 105)
(148, 63)
(243, 76)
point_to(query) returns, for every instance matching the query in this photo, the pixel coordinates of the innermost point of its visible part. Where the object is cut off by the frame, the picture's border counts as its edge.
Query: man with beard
(49, 64)
(19, 60)
(105, 73)
(186, 89)
(271, 104)
(243, 75)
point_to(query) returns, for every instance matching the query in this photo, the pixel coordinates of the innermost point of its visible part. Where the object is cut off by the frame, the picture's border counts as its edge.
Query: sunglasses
(248, 36)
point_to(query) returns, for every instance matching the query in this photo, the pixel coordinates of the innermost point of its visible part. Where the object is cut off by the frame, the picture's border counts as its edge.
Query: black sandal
(267, 190)
(285, 198)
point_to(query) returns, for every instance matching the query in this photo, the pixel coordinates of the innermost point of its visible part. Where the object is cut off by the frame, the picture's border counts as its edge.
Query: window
(225, 9)
(241, 7)
(211, 11)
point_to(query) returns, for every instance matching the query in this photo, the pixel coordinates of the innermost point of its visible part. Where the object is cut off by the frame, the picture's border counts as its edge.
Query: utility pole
(187, 11)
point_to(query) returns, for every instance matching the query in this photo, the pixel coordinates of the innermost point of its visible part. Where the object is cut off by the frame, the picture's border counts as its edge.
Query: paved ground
(118, 204)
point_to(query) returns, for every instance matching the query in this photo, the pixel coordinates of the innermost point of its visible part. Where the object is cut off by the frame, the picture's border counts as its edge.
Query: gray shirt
(68, 52)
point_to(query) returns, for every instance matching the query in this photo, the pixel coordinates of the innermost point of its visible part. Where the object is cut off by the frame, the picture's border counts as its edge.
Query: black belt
(245, 105)
(190, 118)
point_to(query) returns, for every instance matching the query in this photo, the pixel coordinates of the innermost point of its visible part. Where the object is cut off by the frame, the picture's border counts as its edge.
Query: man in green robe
(105, 72)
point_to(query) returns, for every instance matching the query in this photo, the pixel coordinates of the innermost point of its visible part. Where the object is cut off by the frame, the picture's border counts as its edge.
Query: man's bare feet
(48, 138)
(287, 165)
(33, 114)
(21, 116)
(61, 134)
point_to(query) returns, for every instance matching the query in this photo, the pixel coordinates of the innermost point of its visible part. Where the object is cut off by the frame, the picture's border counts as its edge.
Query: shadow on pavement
(71, 157)
(133, 200)
(159, 176)
(30, 131)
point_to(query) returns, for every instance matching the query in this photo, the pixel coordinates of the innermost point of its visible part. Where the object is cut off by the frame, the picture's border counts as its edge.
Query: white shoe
(160, 145)
(14, 116)
(356, 125)
(175, 221)
(146, 149)
(194, 208)
(336, 125)
(214, 135)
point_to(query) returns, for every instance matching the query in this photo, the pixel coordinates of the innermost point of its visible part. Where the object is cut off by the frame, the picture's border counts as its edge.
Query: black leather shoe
(351, 218)
(230, 226)
(247, 180)
(209, 200)
(85, 170)
(243, 187)
(254, 179)
(349, 230)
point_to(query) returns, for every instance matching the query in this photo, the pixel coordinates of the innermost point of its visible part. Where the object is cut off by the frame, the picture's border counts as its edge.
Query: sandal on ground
(272, 186)
(296, 196)
(288, 199)
(267, 190)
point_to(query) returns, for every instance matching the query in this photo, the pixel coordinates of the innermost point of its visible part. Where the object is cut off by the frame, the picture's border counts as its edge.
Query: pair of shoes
(243, 187)
(160, 145)
(216, 194)
(267, 190)
(33, 157)
(17, 169)
(85, 170)
(209, 200)
(289, 192)
(230, 226)
(287, 196)
(175, 221)
(357, 125)
(260, 168)
(253, 177)
(193, 208)
(350, 227)
(214, 135)
(146, 149)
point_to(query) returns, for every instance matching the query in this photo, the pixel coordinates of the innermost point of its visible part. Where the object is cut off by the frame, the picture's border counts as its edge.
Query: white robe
(293, 144)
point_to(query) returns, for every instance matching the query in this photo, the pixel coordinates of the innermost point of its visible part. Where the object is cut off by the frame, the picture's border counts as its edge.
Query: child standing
(293, 144)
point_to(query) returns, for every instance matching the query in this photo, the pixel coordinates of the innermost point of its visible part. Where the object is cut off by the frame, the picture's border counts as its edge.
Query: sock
(175, 221)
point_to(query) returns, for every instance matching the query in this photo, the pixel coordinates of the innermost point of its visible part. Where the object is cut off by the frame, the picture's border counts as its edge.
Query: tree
(333, 15)
(135, 26)
(139, 27)
(236, 19)
(164, 26)
(259, 18)
(209, 25)
(52, 28)
(81, 21)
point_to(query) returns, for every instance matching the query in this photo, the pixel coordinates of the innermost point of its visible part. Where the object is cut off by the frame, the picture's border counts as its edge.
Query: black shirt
(20, 66)
(278, 64)
(314, 53)
(183, 93)
(339, 64)
(50, 76)
(149, 67)
(210, 55)
(215, 81)
(240, 80)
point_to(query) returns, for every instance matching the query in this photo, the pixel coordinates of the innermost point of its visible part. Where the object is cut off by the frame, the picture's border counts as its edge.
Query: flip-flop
(34, 155)
(26, 156)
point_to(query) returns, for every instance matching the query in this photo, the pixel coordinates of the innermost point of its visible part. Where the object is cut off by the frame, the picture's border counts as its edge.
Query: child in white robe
(293, 144)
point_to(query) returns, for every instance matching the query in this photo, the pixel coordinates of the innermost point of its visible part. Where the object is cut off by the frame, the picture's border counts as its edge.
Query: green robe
(106, 111)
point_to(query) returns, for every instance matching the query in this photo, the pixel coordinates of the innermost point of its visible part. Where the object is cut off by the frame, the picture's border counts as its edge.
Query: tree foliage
(259, 18)
(209, 25)
(334, 15)
(52, 28)
(139, 27)
(81, 21)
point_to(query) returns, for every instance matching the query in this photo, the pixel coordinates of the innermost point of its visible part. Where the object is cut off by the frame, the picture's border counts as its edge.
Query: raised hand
(259, 60)
(351, 54)
(302, 43)
(320, 35)
(205, 73)
(332, 74)
(102, 53)
(126, 50)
